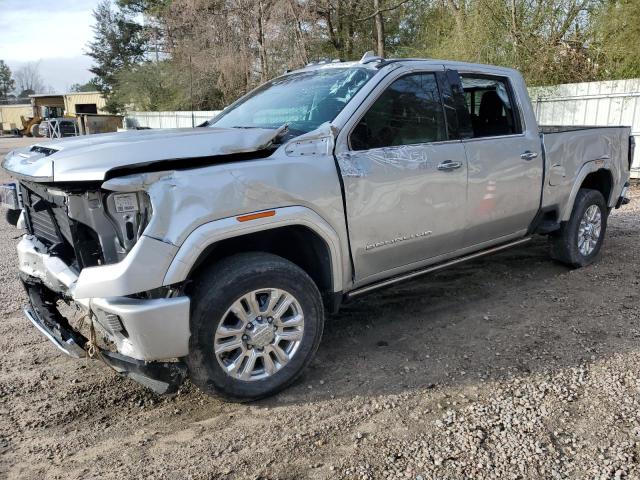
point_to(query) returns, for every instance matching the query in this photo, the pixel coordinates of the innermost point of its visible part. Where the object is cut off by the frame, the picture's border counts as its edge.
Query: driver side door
(405, 179)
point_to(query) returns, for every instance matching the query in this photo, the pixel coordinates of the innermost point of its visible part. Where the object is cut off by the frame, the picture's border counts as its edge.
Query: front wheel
(256, 322)
(579, 240)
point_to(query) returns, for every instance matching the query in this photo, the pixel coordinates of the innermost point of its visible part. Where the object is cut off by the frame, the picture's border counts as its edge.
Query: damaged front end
(81, 257)
(104, 217)
(83, 225)
(43, 312)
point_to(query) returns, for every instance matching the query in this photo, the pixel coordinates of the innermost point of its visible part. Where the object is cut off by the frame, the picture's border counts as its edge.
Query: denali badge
(126, 202)
(393, 241)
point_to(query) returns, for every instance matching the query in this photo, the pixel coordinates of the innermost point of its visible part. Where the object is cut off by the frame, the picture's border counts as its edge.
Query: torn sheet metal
(411, 157)
(140, 271)
(349, 165)
(320, 141)
(136, 182)
(301, 172)
(400, 205)
(51, 270)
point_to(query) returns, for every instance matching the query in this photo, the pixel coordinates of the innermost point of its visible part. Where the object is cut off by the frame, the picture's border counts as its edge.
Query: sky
(52, 32)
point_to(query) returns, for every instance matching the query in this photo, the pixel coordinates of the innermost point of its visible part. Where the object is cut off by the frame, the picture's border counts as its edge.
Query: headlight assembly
(130, 213)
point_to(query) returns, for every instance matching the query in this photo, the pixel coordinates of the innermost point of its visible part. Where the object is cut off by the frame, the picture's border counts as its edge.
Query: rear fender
(587, 168)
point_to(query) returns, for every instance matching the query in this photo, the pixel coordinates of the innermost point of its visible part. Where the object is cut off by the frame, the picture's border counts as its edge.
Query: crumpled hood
(90, 157)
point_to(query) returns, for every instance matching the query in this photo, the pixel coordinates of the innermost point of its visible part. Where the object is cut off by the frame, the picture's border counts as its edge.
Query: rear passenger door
(405, 177)
(504, 160)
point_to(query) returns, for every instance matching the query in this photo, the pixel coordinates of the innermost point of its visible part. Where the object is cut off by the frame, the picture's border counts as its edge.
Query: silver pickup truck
(214, 252)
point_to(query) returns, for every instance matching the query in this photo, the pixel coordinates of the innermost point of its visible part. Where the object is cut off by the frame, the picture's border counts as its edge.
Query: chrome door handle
(448, 165)
(529, 155)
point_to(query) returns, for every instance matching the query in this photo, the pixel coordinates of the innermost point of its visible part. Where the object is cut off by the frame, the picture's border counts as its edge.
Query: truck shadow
(517, 312)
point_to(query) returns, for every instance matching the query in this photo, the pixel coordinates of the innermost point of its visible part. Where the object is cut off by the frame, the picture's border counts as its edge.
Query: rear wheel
(579, 240)
(256, 322)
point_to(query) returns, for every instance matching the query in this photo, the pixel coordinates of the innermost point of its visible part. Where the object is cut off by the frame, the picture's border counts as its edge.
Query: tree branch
(382, 10)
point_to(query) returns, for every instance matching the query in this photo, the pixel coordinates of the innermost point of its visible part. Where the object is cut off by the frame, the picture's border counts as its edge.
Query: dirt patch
(510, 366)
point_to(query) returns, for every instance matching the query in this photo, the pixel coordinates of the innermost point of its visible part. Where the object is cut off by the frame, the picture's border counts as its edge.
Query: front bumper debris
(147, 329)
(161, 377)
(65, 340)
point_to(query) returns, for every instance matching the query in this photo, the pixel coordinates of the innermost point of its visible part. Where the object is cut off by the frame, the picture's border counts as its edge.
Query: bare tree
(229, 46)
(378, 10)
(28, 79)
(215, 50)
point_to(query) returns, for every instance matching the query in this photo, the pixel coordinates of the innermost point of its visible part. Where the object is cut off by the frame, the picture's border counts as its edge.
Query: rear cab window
(491, 105)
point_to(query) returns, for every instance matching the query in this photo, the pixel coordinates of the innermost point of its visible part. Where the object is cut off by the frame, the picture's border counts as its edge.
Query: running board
(417, 273)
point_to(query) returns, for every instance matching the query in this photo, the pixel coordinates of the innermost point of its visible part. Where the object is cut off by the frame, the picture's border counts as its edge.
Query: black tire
(35, 130)
(564, 243)
(12, 216)
(216, 289)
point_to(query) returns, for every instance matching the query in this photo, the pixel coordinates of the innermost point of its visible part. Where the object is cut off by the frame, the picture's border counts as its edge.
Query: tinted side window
(408, 112)
(491, 105)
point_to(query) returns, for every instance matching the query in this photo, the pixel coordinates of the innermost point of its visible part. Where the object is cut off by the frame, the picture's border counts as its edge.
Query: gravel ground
(511, 366)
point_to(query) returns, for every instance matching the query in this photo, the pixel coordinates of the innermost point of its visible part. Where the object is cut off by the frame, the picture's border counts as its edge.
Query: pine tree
(6, 81)
(118, 45)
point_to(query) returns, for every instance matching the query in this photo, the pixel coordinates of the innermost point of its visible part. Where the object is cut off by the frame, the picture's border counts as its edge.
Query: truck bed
(571, 128)
(571, 151)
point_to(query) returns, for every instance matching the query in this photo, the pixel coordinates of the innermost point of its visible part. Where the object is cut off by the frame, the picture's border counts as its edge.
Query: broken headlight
(130, 213)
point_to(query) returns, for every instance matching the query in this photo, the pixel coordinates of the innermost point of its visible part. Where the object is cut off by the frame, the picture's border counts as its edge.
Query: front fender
(209, 233)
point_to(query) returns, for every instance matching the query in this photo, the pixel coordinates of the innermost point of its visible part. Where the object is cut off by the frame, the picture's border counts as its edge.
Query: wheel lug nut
(245, 337)
(250, 326)
(270, 319)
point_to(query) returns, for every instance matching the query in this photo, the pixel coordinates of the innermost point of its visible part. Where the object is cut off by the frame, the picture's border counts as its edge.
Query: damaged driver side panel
(405, 182)
(401, 206)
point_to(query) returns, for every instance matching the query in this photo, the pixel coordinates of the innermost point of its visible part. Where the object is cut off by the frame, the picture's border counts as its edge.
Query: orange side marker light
(255, 216)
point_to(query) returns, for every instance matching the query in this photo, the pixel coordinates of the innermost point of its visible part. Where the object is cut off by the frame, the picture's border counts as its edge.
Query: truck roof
(377, 63)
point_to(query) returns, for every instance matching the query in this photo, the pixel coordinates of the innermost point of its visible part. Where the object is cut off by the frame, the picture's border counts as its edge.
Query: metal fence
(168, 119)
(606, 103)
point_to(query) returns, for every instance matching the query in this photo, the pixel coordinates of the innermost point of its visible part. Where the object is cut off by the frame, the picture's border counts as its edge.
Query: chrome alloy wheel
(589, 230)
(259, 334)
